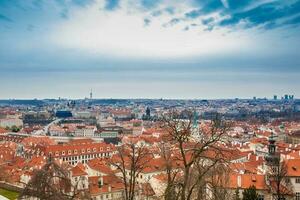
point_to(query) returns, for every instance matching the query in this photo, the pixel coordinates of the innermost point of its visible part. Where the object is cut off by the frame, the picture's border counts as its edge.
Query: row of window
(109, 196)
(84, 158)
(75, 151)
(297, 196)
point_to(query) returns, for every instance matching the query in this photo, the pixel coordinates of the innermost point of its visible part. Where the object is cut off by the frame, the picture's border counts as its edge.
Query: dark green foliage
(237, 194)
(250, 193)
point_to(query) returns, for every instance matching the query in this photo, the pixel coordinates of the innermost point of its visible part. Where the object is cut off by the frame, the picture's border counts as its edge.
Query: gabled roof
(78, 171)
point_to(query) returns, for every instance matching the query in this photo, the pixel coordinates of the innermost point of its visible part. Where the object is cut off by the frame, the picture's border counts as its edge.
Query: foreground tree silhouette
(279, 181)
(197, 156)
(130, 160)
(52, 182)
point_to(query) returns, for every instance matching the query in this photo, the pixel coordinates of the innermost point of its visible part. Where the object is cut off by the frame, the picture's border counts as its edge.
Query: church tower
(195, 128)
(273, 158)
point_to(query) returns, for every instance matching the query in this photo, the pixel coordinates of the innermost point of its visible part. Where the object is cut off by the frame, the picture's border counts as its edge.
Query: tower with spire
(195, 128)
(273, 158)
(91, 94)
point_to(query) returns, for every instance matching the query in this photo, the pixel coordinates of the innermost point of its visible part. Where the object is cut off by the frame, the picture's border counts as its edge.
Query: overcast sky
(149, 48)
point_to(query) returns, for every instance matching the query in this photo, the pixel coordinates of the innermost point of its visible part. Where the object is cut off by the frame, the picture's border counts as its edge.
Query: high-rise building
(286, 97)
(275, 97)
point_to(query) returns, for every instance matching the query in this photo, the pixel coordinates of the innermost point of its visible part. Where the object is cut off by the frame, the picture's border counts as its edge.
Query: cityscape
(149, 100)
(90, 139)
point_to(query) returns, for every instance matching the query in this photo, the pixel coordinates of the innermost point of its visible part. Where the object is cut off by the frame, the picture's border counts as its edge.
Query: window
(297, 180)
(108, 148)
(75, 151)
(297, 195)
(101, 148)
(69, 152)
(63, 152)
(260, 197)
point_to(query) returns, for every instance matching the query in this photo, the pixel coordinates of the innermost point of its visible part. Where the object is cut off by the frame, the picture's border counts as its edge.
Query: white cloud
(122, 33)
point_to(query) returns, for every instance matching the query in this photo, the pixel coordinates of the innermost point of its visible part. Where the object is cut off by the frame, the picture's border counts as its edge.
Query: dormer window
(82, 151)
(94, 149)
(88, 150)
(101, 148)
(63, 153)
(69, 152)
(56, 153)
(75, 151)
(107, 148)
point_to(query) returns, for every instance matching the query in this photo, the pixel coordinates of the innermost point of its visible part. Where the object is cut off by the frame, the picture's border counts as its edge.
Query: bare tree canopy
(52, 182)
(130, 160)
(279, 181)
(197, 154)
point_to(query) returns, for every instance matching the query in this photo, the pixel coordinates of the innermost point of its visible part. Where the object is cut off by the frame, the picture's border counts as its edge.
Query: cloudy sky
(149, 48)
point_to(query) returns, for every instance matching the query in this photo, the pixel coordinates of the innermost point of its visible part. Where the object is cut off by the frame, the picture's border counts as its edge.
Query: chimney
(239, 181)
(109, 188)
(100, 182)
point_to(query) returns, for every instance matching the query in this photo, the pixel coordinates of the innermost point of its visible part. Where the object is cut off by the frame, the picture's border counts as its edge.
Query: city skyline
(214, 49)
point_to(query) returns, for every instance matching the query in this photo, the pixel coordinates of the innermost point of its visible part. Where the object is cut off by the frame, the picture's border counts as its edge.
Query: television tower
(91, 94)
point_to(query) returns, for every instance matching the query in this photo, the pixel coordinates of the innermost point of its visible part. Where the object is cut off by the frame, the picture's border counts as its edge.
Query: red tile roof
(78, 171)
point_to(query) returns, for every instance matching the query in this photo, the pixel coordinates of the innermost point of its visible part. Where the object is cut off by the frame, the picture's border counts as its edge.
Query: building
(78, 151)
(293, 172)
(10, 122)
(63, 114)
(85, 131)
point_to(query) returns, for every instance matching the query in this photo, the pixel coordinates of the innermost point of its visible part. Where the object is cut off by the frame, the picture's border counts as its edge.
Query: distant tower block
(91, 94)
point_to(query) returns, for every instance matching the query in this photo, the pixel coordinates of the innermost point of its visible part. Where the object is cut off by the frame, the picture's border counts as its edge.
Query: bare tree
(130, 160)
(218, 179)
(279, 182)
(4, 176)
(197, 152)
(52, 182)
(172, 169)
